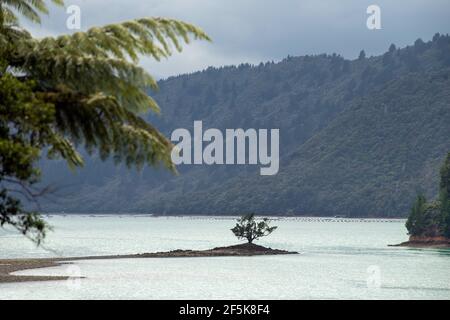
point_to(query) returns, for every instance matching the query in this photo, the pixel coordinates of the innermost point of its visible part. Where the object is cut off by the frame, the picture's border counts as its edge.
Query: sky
(254, 31)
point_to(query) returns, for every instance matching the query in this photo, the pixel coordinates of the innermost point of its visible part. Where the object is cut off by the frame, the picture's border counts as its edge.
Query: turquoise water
(340, 259)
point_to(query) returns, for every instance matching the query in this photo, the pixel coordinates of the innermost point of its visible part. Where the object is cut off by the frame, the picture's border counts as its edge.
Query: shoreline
(424, 244)
(9, 266)
(219, 216)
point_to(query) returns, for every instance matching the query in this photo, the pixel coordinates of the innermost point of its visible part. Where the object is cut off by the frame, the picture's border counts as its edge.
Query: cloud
(255, 30)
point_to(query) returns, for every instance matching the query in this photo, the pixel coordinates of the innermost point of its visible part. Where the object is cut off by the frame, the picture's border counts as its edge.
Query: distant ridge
(358, 138)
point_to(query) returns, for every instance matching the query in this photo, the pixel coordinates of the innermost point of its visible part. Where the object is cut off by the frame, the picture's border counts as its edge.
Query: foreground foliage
(83, 89)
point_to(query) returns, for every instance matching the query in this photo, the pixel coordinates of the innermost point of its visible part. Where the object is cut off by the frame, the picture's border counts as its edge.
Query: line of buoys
(344, 220)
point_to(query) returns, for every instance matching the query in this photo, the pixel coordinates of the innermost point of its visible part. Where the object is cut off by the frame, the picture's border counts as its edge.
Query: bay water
(339, 259)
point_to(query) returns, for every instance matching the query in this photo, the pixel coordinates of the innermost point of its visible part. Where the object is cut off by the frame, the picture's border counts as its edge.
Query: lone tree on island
(247, 227)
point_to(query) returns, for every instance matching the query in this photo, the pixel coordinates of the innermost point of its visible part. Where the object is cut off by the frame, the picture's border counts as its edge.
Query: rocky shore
(425, 242)
(12, 265)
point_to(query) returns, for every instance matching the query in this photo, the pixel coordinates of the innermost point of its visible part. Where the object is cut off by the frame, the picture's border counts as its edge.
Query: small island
(7, 267)
(247, 227)
(429, 222)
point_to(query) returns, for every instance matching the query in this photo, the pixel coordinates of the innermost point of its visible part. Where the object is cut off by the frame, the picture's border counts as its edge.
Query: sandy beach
(9, 266)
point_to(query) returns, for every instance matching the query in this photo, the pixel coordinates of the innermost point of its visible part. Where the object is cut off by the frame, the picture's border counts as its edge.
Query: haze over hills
(357, 138)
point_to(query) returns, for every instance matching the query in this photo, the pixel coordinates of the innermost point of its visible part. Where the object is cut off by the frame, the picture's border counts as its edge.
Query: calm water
(339, 260)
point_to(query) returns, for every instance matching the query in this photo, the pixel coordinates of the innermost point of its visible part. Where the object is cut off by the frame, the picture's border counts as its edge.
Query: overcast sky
(261, 30)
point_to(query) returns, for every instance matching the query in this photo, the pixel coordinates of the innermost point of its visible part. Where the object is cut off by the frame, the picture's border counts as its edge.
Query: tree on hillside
(432, 219)
(414, 224)
(247, 227)
(362, 55)
(392, 48)
(444, 194)
(83, 89)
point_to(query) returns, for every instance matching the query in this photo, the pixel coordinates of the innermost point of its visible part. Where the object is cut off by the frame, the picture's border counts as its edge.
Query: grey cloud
(255, 30)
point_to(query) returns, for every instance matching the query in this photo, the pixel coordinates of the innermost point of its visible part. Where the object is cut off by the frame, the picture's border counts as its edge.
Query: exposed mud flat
(10, 266)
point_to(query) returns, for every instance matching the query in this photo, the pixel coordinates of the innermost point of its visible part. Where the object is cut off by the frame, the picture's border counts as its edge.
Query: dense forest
(358, 138)
(432, 219)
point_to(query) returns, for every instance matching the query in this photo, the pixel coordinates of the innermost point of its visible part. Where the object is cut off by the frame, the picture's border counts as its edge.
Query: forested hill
(358, 138)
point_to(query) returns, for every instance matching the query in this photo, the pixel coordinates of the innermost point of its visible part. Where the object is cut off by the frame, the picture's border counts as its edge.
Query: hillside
(358, 138)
